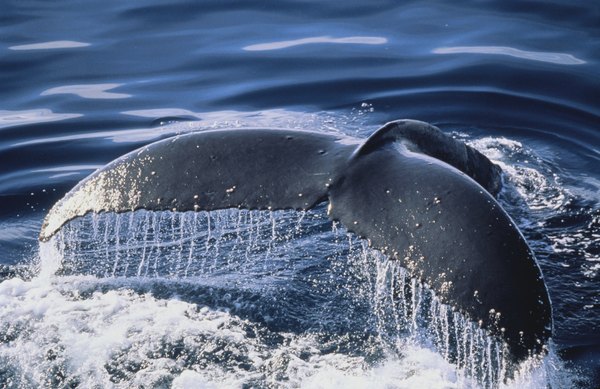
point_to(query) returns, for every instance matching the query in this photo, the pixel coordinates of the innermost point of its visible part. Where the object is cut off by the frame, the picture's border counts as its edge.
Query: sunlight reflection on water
(360, 40)
(88, 91)
(556, 58)
(50, 45)
(15, 118)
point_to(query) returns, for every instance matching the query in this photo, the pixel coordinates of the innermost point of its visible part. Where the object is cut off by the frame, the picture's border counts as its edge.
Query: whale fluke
(205, 171)
(423, 138)
(415, 193)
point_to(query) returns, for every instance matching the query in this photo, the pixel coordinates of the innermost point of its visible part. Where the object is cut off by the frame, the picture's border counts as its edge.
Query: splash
(238, 298)
(183, 245)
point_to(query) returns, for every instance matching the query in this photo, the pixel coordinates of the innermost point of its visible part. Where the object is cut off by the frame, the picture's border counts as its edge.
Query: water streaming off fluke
(264, 272)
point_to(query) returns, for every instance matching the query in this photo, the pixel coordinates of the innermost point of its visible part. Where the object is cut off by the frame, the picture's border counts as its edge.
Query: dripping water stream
(291, 272)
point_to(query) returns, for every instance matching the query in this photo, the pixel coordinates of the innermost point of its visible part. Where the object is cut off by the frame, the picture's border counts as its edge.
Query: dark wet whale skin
(414, 192)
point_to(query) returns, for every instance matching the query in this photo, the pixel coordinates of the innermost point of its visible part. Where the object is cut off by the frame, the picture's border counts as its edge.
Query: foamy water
(238, 299)
(79, 330)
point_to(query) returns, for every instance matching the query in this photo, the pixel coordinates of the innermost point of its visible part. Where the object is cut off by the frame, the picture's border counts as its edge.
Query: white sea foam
(527, 172)
(95, 315)
(71, 331)
(66, 333)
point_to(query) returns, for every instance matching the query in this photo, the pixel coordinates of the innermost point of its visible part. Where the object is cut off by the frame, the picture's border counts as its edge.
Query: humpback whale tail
(418, 195)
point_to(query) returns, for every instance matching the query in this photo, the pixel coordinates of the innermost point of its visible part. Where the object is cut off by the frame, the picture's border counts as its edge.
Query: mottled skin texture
(415, 193)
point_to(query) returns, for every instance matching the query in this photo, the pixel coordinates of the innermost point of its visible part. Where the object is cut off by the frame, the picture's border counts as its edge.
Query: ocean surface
(249, 299)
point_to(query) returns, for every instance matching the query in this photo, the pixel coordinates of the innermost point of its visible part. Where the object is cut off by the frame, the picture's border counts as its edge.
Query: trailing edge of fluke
(418, 195)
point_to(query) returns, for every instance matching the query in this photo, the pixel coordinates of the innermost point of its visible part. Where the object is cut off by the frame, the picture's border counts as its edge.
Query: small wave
(52, 45)
(19, 118)
(555, 58)
(88, 91)
(357, 40)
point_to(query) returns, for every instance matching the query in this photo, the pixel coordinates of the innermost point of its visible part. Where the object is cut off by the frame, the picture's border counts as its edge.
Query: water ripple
(359, 40)
(16, 118)
(88, 91)
(50, 45)
(556, 58)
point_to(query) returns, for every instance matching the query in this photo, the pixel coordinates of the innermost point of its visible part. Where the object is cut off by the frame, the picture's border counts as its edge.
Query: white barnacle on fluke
(283, 169)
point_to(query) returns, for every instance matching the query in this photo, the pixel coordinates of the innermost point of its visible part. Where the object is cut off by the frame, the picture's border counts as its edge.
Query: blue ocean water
(85, 82)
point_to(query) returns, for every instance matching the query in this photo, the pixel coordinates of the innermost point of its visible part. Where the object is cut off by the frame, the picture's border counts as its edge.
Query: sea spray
(341, 285)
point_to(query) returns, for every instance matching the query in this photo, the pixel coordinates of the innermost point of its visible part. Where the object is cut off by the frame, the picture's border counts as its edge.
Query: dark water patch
(579, 13)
